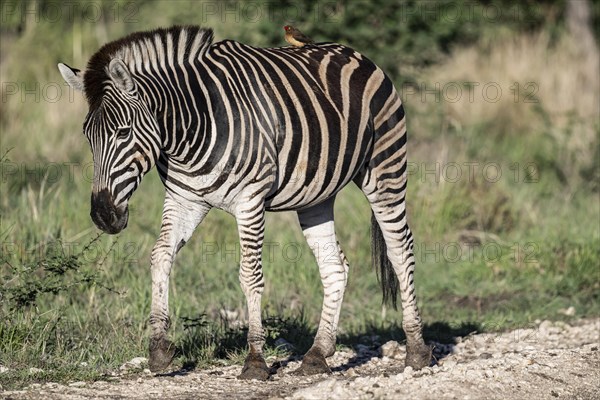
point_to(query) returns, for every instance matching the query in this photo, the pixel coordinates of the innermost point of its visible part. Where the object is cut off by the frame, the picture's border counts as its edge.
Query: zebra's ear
(120, 75)
(72, 76)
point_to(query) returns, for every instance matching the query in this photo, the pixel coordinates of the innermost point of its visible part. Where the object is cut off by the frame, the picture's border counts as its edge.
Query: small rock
(481, 339)
(408, 370)
(333, 388)
(485, 356)
(392, 349)
(133, 364)
(34, 370)
(83, 364)
(546, 327)
(569, 312)
(77, 384)
(449, 364)
(3, 369)
(138, 360)
(560, 325)
(473, 374)
(489, 373)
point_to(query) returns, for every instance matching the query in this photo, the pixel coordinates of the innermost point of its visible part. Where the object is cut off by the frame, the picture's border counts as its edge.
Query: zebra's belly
(294, 198)
(307, 186)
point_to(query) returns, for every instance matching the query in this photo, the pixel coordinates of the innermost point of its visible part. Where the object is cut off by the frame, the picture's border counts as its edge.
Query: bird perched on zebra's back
(296, 38)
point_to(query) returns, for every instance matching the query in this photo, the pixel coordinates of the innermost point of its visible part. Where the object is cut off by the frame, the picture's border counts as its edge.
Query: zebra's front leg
(178, 224)
(251, 227)
(318, 228)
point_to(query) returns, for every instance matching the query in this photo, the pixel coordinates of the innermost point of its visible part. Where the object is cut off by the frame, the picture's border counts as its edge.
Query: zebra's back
(313, 106)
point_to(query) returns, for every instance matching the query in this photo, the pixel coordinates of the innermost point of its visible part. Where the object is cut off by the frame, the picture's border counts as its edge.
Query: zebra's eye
(123, 132)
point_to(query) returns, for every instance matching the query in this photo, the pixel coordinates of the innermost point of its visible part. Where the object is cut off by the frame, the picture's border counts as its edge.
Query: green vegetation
(503, 192)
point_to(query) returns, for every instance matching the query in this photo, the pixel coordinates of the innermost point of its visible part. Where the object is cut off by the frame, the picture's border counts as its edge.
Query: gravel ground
(555, 360)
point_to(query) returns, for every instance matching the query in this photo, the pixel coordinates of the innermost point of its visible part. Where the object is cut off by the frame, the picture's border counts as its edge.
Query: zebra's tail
(385, 272)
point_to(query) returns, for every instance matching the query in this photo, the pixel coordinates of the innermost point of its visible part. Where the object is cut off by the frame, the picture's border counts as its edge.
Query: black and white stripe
(250, 130)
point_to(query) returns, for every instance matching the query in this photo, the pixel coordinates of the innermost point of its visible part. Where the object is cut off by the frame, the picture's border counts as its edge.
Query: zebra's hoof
(313, 363)
(162, 352)
(255, 367)
(418, 356)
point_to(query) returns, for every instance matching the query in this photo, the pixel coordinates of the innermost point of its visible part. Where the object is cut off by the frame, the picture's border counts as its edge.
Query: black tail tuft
(385, 272)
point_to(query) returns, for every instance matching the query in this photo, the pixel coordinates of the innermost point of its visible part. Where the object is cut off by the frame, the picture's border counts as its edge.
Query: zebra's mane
(96, 74)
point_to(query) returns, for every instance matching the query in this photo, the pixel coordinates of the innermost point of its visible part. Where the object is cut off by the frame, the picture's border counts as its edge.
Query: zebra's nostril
(106, 215)
(113, 218)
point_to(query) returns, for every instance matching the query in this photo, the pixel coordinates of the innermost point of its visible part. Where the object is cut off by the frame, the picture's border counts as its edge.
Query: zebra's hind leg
(251, 227)
(318, 228)
(178, 224)
(399, 243)
(389, 209)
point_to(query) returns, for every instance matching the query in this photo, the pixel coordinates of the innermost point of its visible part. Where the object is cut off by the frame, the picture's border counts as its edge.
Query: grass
(492, 254)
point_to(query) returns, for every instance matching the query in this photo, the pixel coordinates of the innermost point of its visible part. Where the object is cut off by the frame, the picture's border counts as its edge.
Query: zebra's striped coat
(250, 130)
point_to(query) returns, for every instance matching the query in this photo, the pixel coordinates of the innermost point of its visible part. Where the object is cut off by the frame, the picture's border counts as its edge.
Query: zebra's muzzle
(106, 215)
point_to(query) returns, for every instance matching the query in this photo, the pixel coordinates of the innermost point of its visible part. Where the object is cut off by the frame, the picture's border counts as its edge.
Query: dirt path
(554, 360)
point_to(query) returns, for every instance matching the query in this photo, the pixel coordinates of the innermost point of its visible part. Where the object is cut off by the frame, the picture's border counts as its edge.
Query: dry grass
(564, 82)
(552, 123)
(43, 131)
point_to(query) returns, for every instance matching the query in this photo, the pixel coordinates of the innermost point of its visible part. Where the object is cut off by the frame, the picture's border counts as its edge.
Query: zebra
(249, 130)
